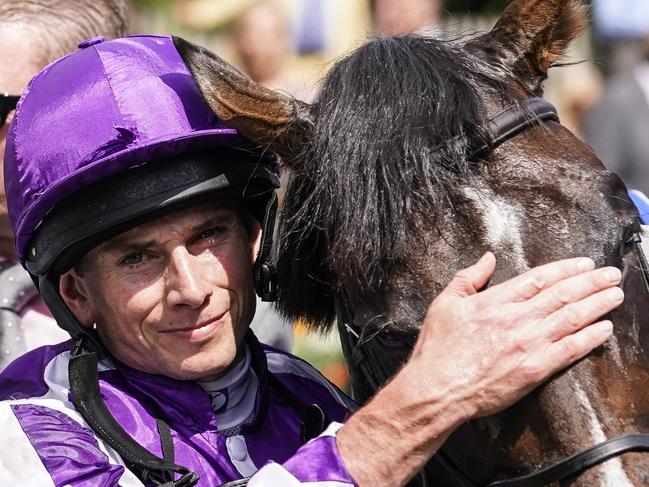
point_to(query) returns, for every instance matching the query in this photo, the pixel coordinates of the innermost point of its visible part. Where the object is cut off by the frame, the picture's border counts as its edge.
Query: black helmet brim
(105, 209)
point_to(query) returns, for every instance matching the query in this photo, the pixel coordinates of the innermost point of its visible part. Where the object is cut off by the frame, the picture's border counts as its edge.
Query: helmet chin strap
(264, 270)
(87, 400)
(48, 286)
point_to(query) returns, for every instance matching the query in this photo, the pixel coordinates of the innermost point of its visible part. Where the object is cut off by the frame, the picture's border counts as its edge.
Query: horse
(417, 156)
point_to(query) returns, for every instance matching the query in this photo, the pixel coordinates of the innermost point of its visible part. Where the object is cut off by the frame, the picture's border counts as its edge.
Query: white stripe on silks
(331, 430)
(279, 363)
(19, 462)
(128, 479)
(57, 379)
(273, 474)
(56, 398)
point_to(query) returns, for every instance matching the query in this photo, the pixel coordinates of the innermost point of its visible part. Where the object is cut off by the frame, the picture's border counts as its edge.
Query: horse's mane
(395, 124)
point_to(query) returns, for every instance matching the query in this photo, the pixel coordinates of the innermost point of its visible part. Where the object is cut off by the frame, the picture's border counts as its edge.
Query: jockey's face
(174, 296)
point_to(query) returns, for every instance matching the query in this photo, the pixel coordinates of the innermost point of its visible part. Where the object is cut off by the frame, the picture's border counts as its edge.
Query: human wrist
(393, 436)
(436, 400)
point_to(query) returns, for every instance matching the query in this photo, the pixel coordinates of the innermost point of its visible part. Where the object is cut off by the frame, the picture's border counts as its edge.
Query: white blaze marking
(613, 473)
(502, 221)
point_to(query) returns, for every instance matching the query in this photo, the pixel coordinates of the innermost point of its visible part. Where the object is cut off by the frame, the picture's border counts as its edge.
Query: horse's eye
(391, 339)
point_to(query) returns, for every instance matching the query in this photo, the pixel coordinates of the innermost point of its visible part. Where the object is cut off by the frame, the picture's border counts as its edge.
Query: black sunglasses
(7, 104)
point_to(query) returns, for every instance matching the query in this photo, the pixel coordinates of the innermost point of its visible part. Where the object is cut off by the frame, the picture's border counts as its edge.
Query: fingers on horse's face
(531, 36)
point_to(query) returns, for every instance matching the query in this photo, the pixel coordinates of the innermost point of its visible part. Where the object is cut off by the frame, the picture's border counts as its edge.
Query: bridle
(363, 354)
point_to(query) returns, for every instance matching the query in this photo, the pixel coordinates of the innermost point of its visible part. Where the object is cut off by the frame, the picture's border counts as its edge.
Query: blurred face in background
(18, 64)
(261, 42)
(396, 17)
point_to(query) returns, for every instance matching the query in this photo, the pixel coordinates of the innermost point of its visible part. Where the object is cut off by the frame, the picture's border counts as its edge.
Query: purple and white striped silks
(45, 442)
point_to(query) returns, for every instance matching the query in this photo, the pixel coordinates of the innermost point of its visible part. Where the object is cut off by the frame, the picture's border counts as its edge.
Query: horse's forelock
(394, 122)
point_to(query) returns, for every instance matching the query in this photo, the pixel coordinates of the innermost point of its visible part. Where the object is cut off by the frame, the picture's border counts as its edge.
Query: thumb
(470, 280)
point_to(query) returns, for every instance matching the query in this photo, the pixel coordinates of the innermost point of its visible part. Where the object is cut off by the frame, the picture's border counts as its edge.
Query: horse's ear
(533, 35)
(275, 121)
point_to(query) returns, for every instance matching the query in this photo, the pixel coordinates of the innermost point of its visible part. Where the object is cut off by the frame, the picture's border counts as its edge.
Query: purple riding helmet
(109, 136)
(103, 139)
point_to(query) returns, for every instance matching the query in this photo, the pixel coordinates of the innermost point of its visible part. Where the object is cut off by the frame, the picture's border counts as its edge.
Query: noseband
(359, 349)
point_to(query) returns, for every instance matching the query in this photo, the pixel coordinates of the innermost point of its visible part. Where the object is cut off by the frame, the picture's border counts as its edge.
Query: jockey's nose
(186, 284)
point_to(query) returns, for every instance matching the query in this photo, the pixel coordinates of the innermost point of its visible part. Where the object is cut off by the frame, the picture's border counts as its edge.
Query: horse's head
(396, 184)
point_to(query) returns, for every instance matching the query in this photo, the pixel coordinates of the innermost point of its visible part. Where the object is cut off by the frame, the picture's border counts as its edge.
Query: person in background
(33, 34)
(262, 45)
(615, 126)
(397, 17)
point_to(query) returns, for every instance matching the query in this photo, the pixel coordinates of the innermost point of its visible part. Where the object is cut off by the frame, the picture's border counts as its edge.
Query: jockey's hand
(501, 343)
(478, 352)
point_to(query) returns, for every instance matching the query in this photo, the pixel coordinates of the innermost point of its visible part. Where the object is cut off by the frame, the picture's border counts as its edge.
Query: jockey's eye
(209, 233)
(133, 260)
(212, 234)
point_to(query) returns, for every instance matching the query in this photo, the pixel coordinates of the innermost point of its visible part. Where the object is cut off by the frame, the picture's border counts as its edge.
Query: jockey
(147, 225)
(136, 103)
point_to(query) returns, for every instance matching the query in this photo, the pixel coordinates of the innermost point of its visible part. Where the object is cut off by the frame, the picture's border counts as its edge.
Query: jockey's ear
(532, 36)
(276, 122)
